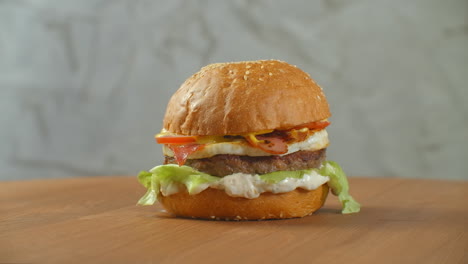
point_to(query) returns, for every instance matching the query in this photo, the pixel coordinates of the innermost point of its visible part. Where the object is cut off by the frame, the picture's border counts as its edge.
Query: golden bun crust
(243, 97)
(217, 205)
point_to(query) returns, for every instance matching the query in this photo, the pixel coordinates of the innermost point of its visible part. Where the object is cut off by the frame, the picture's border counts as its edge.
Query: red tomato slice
(315, 125)
(175, 139)
(181, 152)
(273, 145)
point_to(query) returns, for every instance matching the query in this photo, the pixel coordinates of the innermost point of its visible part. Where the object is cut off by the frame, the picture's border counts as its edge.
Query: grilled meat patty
(224, 164)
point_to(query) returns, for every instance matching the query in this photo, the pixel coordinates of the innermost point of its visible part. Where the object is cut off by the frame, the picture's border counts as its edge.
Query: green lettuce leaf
(339, 185)
(277, 176)
(144, 178)
(165, 175)
(150, 182)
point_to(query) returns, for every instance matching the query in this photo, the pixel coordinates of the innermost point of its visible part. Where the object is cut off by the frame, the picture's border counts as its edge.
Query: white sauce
(318, 140)
(251, 186)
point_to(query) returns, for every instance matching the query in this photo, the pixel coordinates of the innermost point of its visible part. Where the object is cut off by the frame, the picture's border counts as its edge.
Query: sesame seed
(248, 66)
(212, 217)
(271, 74)
(247, 72)
(245, 77)
(318, 97)
(260, 79)
(261, 67)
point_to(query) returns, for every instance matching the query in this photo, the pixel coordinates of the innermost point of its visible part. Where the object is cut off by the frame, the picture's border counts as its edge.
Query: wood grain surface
(95, 220)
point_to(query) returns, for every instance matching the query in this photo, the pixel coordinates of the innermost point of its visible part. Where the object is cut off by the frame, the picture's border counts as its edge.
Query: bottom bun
(216, 204)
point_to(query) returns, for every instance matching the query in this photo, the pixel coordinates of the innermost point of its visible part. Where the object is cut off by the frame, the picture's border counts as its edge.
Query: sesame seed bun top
(244, 97)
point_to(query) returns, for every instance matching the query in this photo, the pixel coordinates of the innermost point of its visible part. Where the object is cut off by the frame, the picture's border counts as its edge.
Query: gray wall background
(84, 84)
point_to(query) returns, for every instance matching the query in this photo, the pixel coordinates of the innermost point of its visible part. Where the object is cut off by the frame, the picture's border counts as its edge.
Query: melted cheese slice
(318, 140)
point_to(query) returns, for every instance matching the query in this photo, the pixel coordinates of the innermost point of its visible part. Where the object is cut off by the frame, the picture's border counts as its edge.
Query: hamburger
(246, 141)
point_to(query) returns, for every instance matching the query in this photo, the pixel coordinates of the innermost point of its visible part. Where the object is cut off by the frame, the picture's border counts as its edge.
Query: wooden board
(95, 220)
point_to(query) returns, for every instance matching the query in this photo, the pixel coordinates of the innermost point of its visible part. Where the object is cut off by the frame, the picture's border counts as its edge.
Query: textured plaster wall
(84, 84)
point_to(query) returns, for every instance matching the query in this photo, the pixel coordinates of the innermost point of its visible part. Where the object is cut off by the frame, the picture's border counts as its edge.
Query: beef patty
(225, 164)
